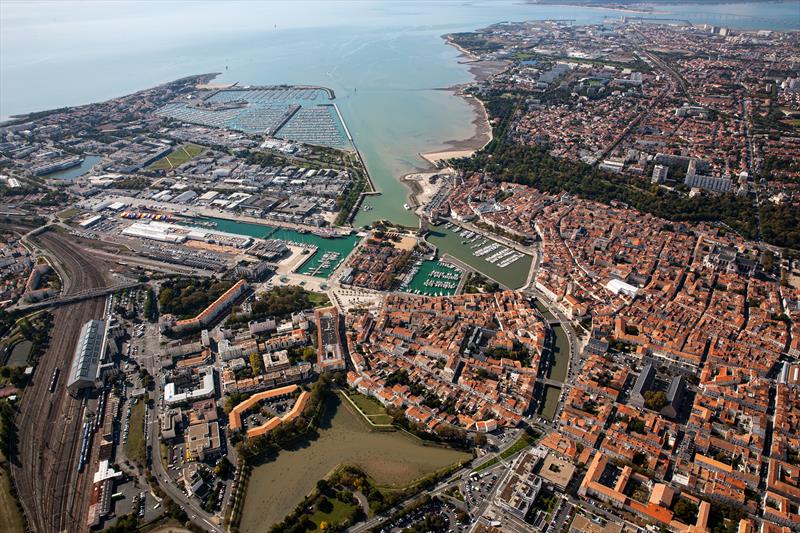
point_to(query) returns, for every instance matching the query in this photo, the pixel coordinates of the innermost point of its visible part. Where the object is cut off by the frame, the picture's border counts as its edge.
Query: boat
(406, 207)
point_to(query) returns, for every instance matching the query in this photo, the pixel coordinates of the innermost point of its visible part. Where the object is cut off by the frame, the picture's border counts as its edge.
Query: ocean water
(385, 60)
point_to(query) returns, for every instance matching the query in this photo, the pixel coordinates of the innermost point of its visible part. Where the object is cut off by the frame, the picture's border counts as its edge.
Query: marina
(323, 265)
(491, 258)
(303, 114)
(432, 278)
(325, 253)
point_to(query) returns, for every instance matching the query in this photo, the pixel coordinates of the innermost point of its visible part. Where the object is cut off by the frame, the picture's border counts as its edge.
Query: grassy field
(178, 157)
(339, 513)
(11, 519)
(68, 213)
(368, 405)
(136, 446)
(371, 409)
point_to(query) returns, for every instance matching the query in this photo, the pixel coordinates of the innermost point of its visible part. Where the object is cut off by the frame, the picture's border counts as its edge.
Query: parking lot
(436, 516)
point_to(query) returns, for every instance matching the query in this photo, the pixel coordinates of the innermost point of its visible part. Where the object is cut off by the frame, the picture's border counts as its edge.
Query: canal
(560, 355)
(449, 242)
(391, 459)
(558, 367)
(551, 396)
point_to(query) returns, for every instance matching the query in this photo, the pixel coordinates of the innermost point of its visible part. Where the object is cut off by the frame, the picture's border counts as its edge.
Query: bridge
(550, 382)
(79, 296)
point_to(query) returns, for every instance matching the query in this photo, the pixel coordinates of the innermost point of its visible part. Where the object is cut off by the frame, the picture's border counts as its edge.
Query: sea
(385, 60)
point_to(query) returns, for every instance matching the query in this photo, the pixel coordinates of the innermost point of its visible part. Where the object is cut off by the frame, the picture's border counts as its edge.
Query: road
(192, 507)
(454, 480)
(54, 495)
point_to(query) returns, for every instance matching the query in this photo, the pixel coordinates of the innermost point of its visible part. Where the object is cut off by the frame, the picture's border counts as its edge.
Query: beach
(482, 128)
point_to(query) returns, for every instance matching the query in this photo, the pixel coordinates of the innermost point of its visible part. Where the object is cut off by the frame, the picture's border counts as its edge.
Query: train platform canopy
(88, 354)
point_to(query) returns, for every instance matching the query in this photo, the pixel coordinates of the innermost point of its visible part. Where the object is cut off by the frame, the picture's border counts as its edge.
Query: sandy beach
(481, 133)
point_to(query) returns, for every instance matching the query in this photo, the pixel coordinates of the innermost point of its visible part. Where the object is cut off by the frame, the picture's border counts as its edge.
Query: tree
(655, 400)
(636, 425)
(324, 505)
(256, 364)
(685, 511)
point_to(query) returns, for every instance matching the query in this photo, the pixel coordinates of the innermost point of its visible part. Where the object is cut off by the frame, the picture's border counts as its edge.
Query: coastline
(481, 135)
(481, 127)
(607, 7)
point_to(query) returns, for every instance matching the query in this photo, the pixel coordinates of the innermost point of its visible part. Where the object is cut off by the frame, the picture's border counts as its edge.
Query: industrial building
(89, 351)
(175, 233)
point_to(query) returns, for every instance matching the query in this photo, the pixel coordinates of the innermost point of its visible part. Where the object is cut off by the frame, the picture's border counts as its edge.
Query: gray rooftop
(88, 351)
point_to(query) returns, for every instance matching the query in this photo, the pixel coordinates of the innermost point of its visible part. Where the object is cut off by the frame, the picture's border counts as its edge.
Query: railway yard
(44, 466)
(181, 315)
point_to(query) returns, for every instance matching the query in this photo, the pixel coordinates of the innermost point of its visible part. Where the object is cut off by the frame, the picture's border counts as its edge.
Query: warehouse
(153, 231)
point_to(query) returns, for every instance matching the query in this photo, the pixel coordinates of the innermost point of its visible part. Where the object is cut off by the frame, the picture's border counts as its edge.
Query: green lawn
(523, 442)
(177, 157)
(367, 405)
(318, 299)
(136, 446)
(370, 409)
(381, 420)
(339, 513)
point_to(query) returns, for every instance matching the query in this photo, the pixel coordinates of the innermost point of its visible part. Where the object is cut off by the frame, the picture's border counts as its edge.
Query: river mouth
(392, 459)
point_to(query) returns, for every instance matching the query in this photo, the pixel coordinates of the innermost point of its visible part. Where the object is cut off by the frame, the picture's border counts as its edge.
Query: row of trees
(507, 160)
(534, 166)
(348, 199)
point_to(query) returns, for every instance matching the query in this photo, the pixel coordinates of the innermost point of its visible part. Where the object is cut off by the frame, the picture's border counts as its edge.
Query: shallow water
(390, 458)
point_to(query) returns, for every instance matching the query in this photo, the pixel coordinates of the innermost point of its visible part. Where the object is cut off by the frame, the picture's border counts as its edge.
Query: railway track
(53, 493)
